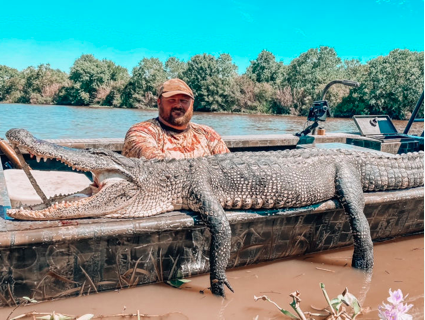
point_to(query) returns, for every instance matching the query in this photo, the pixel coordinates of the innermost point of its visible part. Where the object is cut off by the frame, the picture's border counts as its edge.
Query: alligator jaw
(109, 175)
(77, 159)
(115, 195)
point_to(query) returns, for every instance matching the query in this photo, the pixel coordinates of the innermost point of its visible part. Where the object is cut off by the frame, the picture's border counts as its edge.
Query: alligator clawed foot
(217, 287)
(363, 263)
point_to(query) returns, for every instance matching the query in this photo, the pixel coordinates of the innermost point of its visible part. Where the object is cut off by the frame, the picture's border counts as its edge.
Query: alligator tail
(393, 172)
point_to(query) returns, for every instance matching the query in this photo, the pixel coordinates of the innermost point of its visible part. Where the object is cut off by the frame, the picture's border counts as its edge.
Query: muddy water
(398, 265)
(63, 122)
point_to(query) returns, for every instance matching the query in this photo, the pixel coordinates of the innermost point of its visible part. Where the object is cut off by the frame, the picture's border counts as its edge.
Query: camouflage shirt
(152, 139)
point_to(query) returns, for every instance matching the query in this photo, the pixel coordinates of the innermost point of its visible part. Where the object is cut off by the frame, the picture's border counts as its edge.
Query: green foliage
(93, 81)
(6, 74)
(310, 72)
(211, 80)
(113, 95)
(88, 74)
(283, 102)
(254, 97)
(11, 84)
(175, 68)
(42, 84)
(141, 90)
(243, 91)
(266, 69)
(88, 71)
(116, 73)
(389, 85)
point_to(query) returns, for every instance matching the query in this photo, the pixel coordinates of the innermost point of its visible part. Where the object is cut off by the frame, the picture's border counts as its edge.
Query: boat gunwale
(18, 233)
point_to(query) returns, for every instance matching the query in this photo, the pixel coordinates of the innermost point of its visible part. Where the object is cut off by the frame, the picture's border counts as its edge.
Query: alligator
(132, 188)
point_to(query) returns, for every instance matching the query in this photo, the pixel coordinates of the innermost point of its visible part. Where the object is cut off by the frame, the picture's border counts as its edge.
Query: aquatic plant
(336, 311)
(396, 309)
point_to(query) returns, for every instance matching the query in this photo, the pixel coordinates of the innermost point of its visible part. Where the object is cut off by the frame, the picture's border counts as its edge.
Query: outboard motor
(320, 109)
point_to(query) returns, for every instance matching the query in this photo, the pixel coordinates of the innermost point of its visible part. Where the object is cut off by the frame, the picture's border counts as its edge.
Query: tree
(266, 69)
(395, 82)
(10, 84)
(116, 73)
(88, 75)
(356, 100)
(94, 81)
(42, 84)
(283, 102)
(390, 85)
(211, 79)
(109, 94)
(175, 68)
(254, 97)
(141, 90)
(244, 95)
(310, 72)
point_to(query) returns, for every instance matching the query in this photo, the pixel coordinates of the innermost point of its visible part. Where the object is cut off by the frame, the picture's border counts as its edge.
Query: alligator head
(116, 185)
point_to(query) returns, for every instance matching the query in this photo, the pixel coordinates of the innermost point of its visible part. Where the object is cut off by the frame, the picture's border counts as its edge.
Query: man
(172, 135)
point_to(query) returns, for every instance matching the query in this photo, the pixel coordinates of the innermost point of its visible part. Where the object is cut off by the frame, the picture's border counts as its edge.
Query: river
(64, 122)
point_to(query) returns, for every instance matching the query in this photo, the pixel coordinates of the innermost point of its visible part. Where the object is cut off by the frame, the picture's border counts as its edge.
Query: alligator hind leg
(202, 200)
(350, 193)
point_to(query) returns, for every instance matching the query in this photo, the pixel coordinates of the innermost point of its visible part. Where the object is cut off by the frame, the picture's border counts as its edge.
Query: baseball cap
(174, 86)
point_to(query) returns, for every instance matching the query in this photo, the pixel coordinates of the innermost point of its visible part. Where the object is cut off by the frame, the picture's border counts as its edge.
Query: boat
(53, 259)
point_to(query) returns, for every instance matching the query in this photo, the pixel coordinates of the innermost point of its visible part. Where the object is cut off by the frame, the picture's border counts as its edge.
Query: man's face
(176, 110)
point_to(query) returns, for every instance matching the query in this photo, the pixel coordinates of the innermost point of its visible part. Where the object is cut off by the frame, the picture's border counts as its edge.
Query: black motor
(320, 109)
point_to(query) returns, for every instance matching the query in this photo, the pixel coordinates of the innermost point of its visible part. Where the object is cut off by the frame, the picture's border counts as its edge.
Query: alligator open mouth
(109, 177)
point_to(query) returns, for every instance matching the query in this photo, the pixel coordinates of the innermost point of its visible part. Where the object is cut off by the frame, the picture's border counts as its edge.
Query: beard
(177, 116)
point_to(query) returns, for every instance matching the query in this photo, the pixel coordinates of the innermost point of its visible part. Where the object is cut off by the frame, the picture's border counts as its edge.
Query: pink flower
(396, 297)
(396, 310)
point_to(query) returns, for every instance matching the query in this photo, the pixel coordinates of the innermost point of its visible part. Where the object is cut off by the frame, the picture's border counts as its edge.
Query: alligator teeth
(38, 158)
(45, 159)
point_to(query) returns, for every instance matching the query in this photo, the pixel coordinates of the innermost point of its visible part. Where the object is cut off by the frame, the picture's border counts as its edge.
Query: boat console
(383, 135)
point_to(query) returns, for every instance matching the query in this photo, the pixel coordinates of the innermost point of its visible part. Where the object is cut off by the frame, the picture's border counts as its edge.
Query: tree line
(388, 84)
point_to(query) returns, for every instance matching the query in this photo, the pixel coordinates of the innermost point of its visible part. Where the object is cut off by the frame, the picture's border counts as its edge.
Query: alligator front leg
(350, 193)
(203, 201)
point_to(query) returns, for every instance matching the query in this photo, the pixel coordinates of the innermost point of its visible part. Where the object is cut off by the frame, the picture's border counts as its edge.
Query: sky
(59, 32)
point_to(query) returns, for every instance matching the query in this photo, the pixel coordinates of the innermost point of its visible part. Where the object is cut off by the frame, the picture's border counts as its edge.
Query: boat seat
(21, 191)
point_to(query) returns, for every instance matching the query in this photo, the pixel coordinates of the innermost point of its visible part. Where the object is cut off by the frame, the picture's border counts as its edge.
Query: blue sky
(58, 32)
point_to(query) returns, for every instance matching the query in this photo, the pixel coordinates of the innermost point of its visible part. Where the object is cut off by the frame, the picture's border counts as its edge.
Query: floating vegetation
(336, 310)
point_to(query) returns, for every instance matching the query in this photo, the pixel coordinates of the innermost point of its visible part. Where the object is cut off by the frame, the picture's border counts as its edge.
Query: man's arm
(220, 147)
(216, 144)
